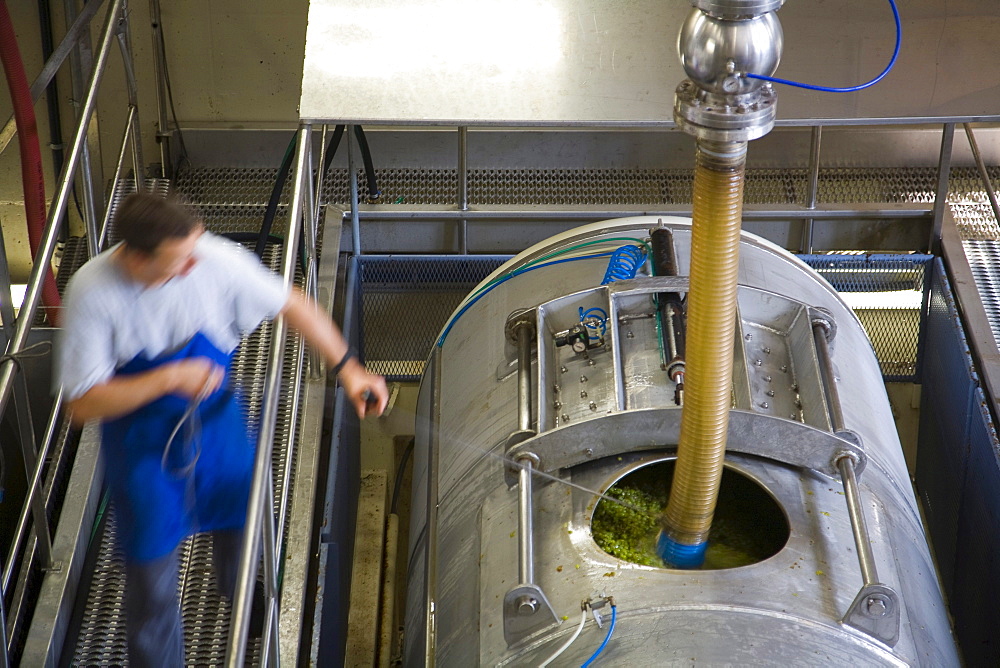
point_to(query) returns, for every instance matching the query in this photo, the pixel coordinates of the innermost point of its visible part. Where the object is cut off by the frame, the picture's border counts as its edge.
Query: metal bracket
(750, 433)
(824, 318)
(512, 469)
(526, 610)
(875, 612)
(518, 319)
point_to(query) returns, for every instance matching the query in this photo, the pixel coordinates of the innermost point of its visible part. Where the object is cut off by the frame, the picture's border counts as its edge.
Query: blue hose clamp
(678, 555)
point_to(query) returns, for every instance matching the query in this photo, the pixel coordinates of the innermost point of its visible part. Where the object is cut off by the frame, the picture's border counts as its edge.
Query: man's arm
(321, 332)
(123, 394)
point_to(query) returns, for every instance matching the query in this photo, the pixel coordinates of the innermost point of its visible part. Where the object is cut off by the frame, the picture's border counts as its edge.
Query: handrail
(43, 256)
(260, 504)
(50, 430)
(42, 532)
(102, 231)
(24, 545)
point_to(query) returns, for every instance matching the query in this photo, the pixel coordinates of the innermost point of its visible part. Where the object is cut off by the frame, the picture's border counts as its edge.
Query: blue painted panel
(943, 446)
(977, 586)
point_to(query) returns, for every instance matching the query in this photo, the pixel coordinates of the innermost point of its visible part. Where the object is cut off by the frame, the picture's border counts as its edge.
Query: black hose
(399, 477)
(246, 237)
(331, 149)
(366, 156)
(52, 90)
(279, 185)
(272, 204)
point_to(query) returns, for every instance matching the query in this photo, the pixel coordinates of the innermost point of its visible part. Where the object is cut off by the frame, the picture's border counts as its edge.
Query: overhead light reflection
(485, 37)
(896, 299)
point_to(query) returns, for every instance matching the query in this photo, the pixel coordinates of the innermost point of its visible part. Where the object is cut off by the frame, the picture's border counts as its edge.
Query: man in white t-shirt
(149, 329)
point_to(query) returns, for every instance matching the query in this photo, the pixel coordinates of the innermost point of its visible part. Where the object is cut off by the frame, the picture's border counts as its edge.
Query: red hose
(31, 155)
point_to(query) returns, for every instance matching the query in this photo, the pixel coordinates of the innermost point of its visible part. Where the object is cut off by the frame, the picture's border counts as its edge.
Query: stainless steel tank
(527, 371)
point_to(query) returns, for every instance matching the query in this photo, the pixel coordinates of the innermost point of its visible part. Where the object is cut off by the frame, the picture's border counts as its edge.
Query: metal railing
(263, 533)
(33, 535)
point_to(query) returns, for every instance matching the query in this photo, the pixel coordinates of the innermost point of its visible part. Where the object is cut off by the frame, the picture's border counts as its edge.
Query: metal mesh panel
(975, 221)
(888, 185)
(970, 204)
(102, 633)
(894, 331)
(984, 260)
(124, 188)
(205, 614)
(406, 301)
(238, 191)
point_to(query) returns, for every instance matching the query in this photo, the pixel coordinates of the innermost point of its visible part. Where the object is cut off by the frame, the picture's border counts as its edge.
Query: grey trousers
(152, 611)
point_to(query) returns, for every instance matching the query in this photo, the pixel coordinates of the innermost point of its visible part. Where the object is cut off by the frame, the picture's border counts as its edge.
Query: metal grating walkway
(984, 260)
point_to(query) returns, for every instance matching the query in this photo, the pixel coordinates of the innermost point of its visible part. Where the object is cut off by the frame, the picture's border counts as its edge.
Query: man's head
(159, 237)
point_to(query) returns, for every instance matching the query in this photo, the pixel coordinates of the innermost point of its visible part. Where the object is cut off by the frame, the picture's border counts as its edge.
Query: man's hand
(193, 377)
(366, 392)
(123, 394)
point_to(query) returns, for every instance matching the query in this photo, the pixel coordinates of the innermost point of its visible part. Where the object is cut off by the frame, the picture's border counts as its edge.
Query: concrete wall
(233, 64)
(236, 69)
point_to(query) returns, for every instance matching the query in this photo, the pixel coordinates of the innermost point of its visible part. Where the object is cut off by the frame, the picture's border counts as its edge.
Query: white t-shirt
(109, 319)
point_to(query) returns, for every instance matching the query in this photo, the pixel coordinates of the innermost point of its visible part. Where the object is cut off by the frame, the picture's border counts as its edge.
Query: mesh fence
(405, 303)
(242, 191)
(891, 316)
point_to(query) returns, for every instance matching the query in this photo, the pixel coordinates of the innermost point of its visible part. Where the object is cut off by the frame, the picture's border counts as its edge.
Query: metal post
(463, 188)
(269, 641)
(353, 172)
(163, 131)
(102, 233)
(259, 505)
(866, 558)
(983, 174)
(292, 445)
(89, 203)
(82, 68)
(321, 168)
(6, 299)
(138, 163)
(525, 528)
(58, 209)
(430, 556)
(32, 463)
(309, 225)
(524, 336)
(811, 193)
(309, 230)
(941, 194)
(42, 533)
(828, 375)
(4, 656)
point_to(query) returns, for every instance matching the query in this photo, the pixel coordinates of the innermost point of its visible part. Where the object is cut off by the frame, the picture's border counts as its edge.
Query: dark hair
(145, 220)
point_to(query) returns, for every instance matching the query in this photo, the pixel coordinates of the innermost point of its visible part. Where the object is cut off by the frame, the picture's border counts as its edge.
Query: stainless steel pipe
(525, 530)
(866, 558)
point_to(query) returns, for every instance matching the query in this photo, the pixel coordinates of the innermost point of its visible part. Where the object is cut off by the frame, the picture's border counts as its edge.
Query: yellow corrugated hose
(711, 321)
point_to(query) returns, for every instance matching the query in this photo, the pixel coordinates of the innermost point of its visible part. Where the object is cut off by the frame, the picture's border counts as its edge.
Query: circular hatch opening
(749, 526)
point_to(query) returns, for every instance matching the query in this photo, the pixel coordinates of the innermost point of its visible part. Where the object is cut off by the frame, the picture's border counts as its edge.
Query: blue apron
(159, 504)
